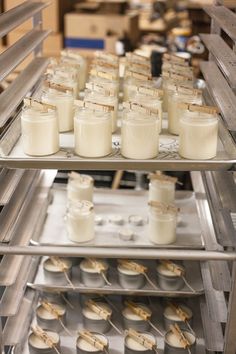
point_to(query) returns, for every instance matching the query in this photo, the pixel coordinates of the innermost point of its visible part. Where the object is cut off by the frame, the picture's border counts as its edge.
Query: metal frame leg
(230, 331)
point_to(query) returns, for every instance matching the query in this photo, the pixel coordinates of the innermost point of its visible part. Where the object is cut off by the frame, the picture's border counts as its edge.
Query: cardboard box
(52, 44)
(86, 27)
(52, 16)
(88, 45)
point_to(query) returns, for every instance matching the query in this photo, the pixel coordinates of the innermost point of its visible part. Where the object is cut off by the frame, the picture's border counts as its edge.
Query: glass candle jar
(64, 101)
(111, 101)
(150, 102)
(139, 135)
(80, 187)
(93, 133)
(162, 191)
(168, 86)
(109, 85)
(130, 86)
(198, 135)
(63, 78)
(70, 56)
(80, 221)
(174, 112)
(162, 225)
(69, 73)
(40, 133)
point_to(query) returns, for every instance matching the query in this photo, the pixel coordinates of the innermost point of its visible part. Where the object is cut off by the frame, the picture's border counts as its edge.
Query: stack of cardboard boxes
(52, 17)
(100, 28)
(75, 26)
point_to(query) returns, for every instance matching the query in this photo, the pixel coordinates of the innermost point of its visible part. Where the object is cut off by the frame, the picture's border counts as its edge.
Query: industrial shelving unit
(26, 194)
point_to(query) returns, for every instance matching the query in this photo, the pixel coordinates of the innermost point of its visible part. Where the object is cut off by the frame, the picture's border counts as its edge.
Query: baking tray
(109, 202)
(12, 155)
(193, 276)
(116, 341)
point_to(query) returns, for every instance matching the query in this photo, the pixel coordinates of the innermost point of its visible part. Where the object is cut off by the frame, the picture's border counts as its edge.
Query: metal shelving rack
(215, 191)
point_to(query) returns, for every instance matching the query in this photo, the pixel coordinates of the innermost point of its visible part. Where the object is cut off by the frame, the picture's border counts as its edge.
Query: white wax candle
(125, 271)
(198, 136)
(116, 219)
(139, 136)
(175, 113)
(167, 86)
(86, 266)
(38, 343)
(136, 220)
(152, 103)
(174, 341)
(162, 228)
(106, 100)
(80, 221)
(99, 220)
(109, 85)
(130, 315)
(161, 269)
(80, 187)
(64, 101)
(63, 78)
(69, 57)
(84, 345)
(162, 191)
(93, 133)
(40, 134)
(50, 267)
(90, 314)
(133, 345)
(126, 234)
(170, 314)
(47, 315)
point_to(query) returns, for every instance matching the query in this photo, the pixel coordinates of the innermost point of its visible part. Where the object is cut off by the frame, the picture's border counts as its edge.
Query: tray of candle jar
(122, 276)
(137, 140)
(114, 324)
(121, 218)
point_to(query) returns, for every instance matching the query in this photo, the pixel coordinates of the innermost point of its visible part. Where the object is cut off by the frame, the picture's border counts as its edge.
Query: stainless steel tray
(125, 203)
(12, 155)
(193, 276)
(116, 341)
